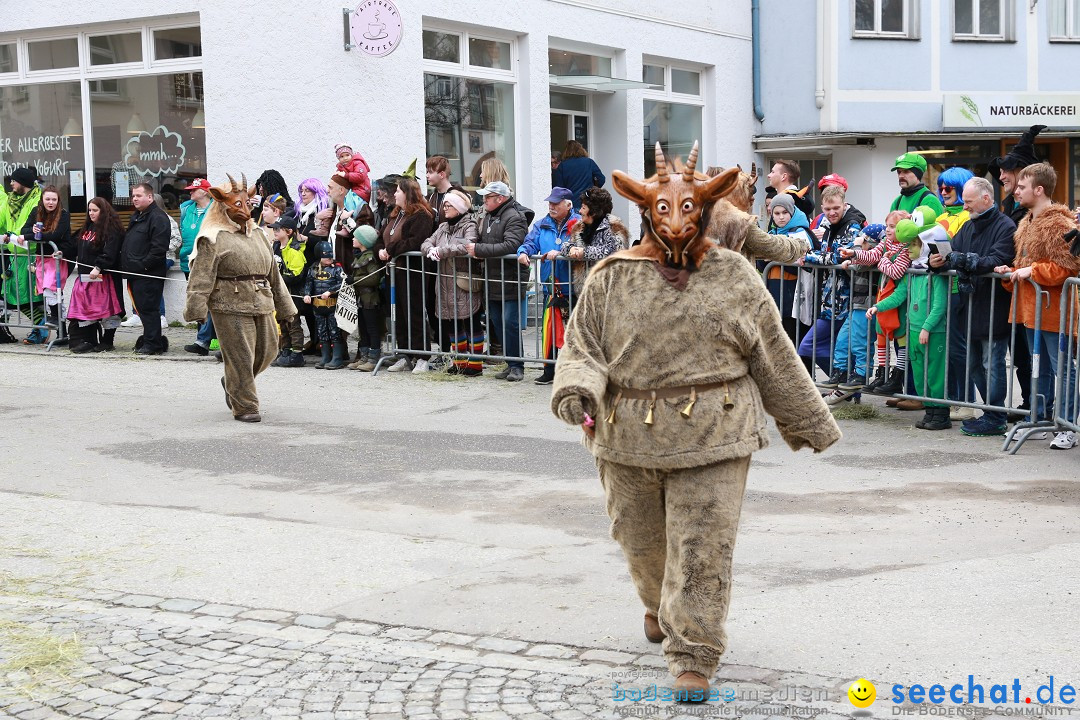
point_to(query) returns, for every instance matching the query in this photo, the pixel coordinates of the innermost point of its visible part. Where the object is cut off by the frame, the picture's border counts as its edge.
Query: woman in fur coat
(597, 235)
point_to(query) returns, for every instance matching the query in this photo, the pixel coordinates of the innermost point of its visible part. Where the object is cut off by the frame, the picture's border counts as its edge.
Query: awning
(599, 83)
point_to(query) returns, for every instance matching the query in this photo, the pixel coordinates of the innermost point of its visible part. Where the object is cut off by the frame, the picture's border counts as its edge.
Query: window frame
(90, 76)
(667, 95)
(1072, 10)
(1007, 10)
(464, 71)
(910, 23)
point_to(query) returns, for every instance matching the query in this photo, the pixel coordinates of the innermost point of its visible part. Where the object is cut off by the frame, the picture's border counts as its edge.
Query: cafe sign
(374, 28)
(1001, 111)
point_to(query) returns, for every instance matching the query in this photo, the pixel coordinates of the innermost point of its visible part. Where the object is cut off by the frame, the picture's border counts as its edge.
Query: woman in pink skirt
(94, 312)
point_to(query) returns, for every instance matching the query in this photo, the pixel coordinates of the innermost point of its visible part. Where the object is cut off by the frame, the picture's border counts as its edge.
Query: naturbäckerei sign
(993, 111)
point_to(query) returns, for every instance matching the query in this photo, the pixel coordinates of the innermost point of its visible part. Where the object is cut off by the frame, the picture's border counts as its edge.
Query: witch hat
(1020, 156)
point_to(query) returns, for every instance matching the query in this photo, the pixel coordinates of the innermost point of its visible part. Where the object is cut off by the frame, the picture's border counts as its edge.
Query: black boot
(880, 376)
(936, 418)
(327, 348)
(106, 344)
(893, 385)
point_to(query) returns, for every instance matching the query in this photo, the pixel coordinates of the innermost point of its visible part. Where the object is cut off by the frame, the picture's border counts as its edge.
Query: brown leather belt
(242, 278)
(664, 394)
(319, 302)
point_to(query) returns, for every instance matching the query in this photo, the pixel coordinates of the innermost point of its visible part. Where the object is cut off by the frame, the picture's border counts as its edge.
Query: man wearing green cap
(910, 168)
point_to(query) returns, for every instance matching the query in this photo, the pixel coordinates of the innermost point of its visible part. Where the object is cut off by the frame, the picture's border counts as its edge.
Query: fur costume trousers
(677, 530)
(249, 343)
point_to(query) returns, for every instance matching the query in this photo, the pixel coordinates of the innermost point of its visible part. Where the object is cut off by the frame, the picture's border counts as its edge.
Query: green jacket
(19, 282)
(923, 196)
(915, 290)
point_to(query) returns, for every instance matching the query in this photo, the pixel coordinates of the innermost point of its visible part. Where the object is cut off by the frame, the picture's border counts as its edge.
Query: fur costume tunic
(733, 229)
(242, 308)
(1040, 245)
(722, 328)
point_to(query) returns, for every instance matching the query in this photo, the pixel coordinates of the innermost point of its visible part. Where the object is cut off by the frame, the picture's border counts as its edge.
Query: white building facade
(848, 85)
(245, 86)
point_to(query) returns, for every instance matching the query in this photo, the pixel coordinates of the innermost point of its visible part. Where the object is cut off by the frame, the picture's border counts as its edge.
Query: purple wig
(315, 185)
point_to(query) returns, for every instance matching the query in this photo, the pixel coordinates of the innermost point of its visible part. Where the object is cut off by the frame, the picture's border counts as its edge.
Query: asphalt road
(464, 506)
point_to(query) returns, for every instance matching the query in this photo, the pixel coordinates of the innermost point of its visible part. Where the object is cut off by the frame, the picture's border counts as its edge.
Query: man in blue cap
(546, 239)
(910, 168)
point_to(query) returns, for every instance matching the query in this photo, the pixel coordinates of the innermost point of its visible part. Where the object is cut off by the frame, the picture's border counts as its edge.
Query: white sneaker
(962, 413)
(1065, 440)
(164, 323)
(132, 321)
(420, 367)
(400, 366)
(836, 397)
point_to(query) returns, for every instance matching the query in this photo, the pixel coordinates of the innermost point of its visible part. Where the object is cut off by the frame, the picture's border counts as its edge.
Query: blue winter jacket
(578, 175)
(544, 237)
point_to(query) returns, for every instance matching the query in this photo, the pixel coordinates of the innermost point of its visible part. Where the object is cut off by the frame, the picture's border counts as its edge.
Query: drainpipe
(819, 69)
(755, 45)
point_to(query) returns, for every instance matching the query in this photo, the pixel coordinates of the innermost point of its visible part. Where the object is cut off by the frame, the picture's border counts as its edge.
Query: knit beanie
(25, 176)
(458, 200)
(340, 181)
(342, 146)
(784, 200)
(366, 235)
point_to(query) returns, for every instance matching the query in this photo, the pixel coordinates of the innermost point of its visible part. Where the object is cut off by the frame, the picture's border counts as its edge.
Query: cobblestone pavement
(161, 658)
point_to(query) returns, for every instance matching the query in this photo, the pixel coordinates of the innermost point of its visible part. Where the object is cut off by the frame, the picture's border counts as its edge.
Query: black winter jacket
(105, 258)
(990, 238)
(501, 233)
(60, 236)
(146, 242)
(323, 278)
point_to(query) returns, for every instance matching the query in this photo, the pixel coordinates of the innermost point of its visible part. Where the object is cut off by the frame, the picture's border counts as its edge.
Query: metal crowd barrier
(512, 299)
(16, 281)
(802, 301)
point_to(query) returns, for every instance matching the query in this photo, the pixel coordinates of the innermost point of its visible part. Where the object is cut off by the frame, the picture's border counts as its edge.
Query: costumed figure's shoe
(248, 417)
(228, 400)
(653, 632)
(691, 687)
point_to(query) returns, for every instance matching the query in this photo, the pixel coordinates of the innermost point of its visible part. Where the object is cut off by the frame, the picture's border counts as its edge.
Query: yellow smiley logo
(862, 693)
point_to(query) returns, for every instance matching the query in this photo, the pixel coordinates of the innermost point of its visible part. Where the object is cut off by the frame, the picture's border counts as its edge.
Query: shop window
(115, 49)
(940, 156)
(468, 120)
(148, 133)
(653, 74)
(489, 53)
(1074, 189)
(983, 20)
(1064, 20)
(53, 54)
(897, 19)
(36, 124)
(674, 125)
(685, 82)
(567, 62)
(8, 58)
(174, 43)
(569, 101)
(442, 46)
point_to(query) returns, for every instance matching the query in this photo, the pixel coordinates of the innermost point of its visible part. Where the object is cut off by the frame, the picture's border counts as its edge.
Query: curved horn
(231, 181)
(243, 182)
(691, 163)
(661, 165)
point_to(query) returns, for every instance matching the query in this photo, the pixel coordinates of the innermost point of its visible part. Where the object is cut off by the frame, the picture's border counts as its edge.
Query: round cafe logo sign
(376, 27)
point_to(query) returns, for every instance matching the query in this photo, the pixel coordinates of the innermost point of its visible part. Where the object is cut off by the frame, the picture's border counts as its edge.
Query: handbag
(469, 282)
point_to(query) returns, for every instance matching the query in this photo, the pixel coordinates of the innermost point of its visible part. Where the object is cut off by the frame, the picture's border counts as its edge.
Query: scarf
(307, 210)
(589, 231)
(16, 202)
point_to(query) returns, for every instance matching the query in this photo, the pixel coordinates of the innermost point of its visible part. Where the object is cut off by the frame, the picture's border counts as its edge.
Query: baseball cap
(199, 184)
(909, 161)
(285, 222)
(499, 188)
(558, 194)
(833, 179)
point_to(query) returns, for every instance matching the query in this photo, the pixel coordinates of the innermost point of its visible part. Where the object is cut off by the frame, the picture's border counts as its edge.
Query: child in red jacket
(354, 168)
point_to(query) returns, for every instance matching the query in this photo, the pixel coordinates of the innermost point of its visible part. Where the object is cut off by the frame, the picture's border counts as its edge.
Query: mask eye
(238, 203)
(687, 206)
(661, 207)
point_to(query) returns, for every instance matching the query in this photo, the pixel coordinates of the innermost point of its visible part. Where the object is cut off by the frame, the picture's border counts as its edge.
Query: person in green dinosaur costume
(16, 207)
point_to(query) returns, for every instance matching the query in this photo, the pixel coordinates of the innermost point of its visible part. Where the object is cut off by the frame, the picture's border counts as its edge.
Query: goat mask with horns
(674, 207)
(233, 197)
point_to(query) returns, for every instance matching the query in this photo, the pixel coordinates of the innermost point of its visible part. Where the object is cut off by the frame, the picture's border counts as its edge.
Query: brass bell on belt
(614, 407)
(690, 406)
(652, 404)
(728, 405)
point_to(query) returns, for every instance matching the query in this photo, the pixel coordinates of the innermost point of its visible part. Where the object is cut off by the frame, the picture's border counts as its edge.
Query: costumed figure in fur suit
(235, 277)
(676, 349)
